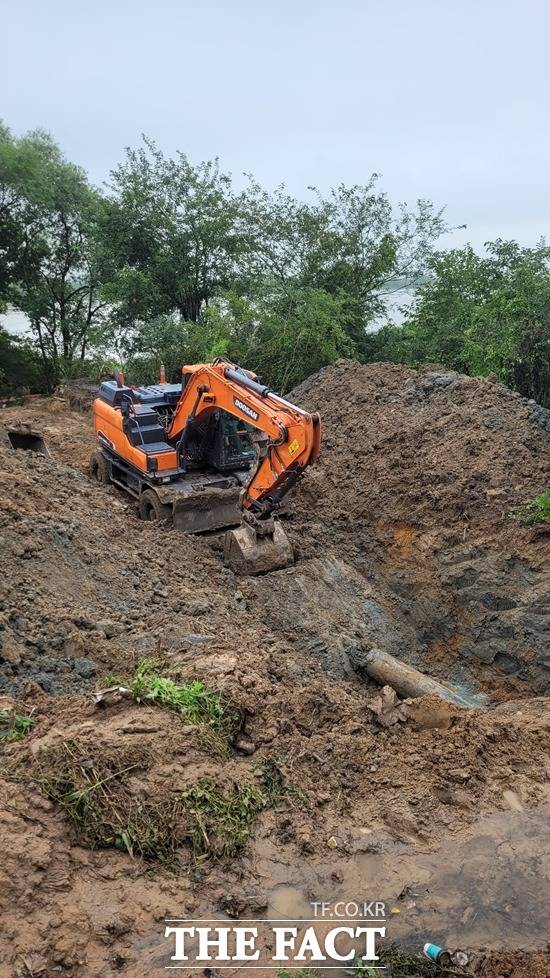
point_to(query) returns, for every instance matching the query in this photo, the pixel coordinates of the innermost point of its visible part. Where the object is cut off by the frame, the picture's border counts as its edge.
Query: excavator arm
(292, 435)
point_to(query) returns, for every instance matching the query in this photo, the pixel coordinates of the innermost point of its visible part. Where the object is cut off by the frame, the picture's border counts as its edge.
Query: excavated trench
(403, 543)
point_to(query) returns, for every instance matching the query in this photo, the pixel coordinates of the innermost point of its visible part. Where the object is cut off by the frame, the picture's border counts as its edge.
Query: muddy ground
(404, 543)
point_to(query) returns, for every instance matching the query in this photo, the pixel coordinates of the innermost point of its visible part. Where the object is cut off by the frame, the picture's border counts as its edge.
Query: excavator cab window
(222, 441)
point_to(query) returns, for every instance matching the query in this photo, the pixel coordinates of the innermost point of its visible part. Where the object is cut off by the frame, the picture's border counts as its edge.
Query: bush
(20, 367)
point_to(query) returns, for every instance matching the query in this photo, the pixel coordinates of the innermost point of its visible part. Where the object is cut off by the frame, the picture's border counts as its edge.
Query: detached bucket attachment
(257, 547)
(206, 509)
(22, 436)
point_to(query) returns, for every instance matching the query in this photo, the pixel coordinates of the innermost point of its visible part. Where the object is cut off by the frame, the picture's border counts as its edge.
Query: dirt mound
(513, 964)
(418, 474)
(431, 570)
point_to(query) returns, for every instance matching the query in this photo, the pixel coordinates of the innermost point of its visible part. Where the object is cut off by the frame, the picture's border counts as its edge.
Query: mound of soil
(418, 475)
(403, 542)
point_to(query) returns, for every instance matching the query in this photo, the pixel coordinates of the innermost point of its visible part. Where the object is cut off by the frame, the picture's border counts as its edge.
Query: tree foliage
(49, 261)
(282, 285)
(171, 264)
(20, 367)
(481, 315)
(170, 230)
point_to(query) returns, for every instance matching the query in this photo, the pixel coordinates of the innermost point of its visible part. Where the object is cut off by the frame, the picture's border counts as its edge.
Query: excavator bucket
(248, 551)
(207, 509)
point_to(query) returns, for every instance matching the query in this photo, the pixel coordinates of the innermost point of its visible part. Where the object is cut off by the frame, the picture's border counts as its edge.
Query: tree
(481, 315)
(51, 263)
(282, 338)
(19, 366)
(20, 161)
(169, 228)
(352, 245)
(510, 331)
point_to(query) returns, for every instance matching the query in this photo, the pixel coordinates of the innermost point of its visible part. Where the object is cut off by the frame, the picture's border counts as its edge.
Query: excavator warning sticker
(246, 409)
(293, 447)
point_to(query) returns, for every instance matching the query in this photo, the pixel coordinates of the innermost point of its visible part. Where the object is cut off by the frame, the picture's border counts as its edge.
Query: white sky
(447, 99)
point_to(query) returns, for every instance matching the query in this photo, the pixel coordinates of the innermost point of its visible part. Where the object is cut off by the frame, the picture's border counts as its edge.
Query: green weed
(194, 702)
(276, 785)
(110, 679)
(97, 801)
(398, 964)
(14, 726)
(533, 511)
(105, 812)
(221, 824)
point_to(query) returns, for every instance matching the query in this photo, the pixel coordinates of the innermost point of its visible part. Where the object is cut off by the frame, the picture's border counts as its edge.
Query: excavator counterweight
(218, 451)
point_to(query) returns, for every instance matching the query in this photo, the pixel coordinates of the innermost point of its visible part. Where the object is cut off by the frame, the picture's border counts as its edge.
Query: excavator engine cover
(249, 550)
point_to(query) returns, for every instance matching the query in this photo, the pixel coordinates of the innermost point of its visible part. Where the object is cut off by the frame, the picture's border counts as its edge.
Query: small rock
(85, 668)
(245, 746)
(110, 628)
(11, 650)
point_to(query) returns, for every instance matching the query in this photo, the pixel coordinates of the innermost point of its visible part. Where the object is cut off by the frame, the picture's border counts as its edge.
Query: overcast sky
(447, 99)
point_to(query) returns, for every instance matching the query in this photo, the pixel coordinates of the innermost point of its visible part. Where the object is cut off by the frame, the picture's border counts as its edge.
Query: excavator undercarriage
(218, 451)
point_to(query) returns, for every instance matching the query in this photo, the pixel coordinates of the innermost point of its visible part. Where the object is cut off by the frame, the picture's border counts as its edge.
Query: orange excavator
(217, 450)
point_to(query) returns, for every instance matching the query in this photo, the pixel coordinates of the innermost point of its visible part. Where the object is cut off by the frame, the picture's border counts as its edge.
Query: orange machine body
(109, 426)
(291, 436)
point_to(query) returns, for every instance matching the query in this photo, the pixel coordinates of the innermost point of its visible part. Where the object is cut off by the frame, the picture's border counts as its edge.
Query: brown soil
(404, 543)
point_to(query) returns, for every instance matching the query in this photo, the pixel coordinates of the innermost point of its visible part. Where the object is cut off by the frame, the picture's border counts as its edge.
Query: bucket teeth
(249, 552)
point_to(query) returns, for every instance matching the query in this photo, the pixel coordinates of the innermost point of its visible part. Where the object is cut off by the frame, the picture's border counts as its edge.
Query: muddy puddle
(488, 886)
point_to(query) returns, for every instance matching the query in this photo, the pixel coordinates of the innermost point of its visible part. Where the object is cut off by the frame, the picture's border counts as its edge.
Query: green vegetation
(172, 265)
(101, 807)
(193, 701)
(221, 824)
(14, 726)
(398, 964)
(51, 259)
(111, 679)
(96, 793)
(480, 315)
(533, 511)
(20, 367)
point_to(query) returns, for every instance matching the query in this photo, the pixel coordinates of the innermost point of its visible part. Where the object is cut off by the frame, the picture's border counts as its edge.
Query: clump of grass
(104, 811)
(14, 726)
(218, 720)
(276, 785)
(221, 824)
(193, 701)
(97, 801)
(398, 964)
(533, 511)
(111, 679)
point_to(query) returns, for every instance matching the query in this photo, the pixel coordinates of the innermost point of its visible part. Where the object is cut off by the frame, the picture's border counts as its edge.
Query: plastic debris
(460, 958)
